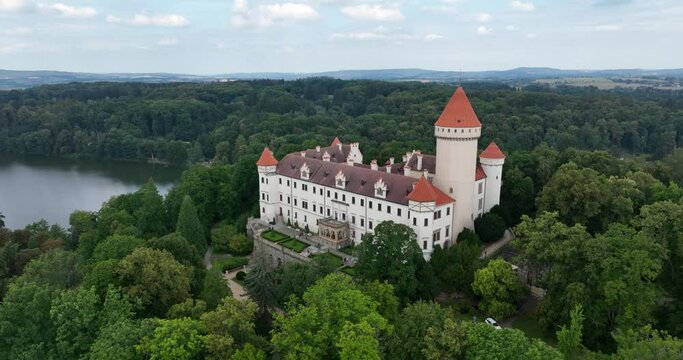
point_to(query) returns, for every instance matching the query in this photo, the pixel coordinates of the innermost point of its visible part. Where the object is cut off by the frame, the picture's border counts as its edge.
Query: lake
(33, 187)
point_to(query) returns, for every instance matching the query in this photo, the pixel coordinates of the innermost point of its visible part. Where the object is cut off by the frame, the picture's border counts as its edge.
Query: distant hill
(10, 79)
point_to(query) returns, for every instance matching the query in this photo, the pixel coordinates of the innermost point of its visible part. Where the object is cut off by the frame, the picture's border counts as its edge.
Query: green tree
(189, 308)
(499, 287)
(410, 331)
(220, 237)
(296, 277)
(118, 341)
(174, 339)
(115, 247)
(149, 213)
(155, 278)
(445, 342)
(189, 226)
(486, 342)
(249, 352)
(358, 342)
(569, 337)
(647, 344)
(214, 288)
(56, 268)
(391, 254)
(26, 330)
(75, 317)
(230, 327)
(260, 282)
(330, 310)
(490, 227)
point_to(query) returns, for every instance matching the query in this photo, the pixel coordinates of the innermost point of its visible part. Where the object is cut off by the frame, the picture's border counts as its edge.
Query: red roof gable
(458, 113)
(336, 142)
(426, 192)
(267, 158)
(480, 174)
(492, 152)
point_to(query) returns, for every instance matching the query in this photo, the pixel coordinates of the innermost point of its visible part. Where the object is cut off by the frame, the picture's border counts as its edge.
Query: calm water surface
(32, 188)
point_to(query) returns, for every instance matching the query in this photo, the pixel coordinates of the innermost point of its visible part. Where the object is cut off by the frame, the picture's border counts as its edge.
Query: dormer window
(380, 189)
(305, 172)
(340, 180)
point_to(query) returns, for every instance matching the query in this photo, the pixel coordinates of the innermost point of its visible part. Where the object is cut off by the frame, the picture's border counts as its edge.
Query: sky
(225, 36)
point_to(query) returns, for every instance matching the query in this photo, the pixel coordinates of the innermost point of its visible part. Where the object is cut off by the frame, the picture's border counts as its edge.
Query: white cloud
(168, 20)
(368, 35)
(167, 42)
(483, 30)
(523, 6)
(373, 12)
(608, 27)
(12, 5)
(432, 37)
(16, 31)
(288, 11)
(510, 28)
(266, 15)
(530, 36)
(68, 10)
(10, 49)
(484, 17)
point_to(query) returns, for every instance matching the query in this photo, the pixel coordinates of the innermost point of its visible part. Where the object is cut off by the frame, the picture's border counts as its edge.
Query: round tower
(492, 160)
(267, 165)
(457, 133)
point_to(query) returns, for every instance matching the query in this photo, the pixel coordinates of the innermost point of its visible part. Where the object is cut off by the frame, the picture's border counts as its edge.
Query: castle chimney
(388, 167)
(317, 148)
(339, 146)
(405, 159)
(391, 160)
(373, 165)
(419, 161)
(326, 156)
(425, 173)
(303, 154)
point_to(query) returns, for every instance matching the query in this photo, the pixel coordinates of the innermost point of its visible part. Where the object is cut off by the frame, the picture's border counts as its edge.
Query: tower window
(450, 190)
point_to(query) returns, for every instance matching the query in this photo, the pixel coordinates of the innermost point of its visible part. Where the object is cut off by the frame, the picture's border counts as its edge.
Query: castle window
(343, 216)
(448, 230)
(313, 207)
(362, 222)
(398, 211)
(370, 225)
(379, 207)
(481, 187)
(340, 180)
(481, 204)
(328, 212)
(263, 180)
(343, 197)
(280, 180)
(448, 210)
(424, 245)
(287, 182)
(414, 221)
(295, 184)
(380, 189)
(370, 204)
(450, 190)
(280, 197)
(388, 209)
(263, 210)
(328, 193)
(304, 204)
(426, 223)
(353, 220)
(362, 202)
(305, 172)
(353, 200)
(335, 195)
(295, 202)
(289, 200)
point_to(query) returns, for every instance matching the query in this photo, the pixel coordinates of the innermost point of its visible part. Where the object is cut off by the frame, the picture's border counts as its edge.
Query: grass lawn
(348, 271)
(230, 263)
(529, 325)
(332, 258)
(294, 244)
(274, 236)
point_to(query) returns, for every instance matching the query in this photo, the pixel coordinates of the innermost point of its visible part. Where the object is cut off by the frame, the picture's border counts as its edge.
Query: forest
(592, 190)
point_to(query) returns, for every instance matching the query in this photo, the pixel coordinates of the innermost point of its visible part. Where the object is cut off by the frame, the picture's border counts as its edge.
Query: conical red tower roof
(426, 192)
(336, 142)
(267, 158)
(492, 152)
(458, 113)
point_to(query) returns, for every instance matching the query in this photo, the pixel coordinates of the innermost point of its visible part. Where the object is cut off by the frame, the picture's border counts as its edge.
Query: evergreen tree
(189, 225)
(260, 282)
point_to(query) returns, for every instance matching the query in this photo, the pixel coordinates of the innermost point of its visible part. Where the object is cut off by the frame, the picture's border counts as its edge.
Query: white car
(493, 323)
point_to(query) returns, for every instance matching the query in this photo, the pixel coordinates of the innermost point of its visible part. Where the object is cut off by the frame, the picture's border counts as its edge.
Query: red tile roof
(267, 158)
(426, 192)
(360, 179)
(458, 113)
(335, 142)
(492, 152)
(480, 174)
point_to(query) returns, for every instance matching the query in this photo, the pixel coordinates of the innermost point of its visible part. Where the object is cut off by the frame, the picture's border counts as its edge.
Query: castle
(329, 190)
